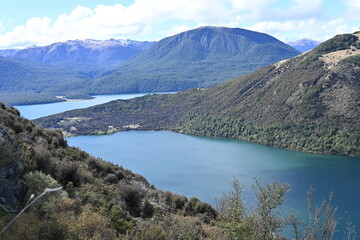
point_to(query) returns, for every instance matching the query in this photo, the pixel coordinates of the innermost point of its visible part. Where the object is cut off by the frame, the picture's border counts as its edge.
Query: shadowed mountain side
(23, 81)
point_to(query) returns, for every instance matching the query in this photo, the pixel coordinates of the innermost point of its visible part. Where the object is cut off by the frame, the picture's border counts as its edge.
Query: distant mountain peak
(73, 53)
(304, 44)
(200, 57)
(101, 43)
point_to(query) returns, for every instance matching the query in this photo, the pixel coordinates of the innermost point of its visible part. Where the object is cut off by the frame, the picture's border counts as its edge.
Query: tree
(262, 222)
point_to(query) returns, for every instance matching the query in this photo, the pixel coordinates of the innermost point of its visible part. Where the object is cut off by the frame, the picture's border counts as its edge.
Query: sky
(41, 22)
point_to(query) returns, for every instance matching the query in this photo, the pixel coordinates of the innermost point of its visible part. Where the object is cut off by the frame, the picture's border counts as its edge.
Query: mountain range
(308, 103)
(304, 45)
(201, 57)
(23, 81)
(90, 56)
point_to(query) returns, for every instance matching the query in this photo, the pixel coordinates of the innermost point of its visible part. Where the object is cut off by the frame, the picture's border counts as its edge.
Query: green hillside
(201, 57)
(308, 103)
(52, 191)
(198, 58)
(23, 81)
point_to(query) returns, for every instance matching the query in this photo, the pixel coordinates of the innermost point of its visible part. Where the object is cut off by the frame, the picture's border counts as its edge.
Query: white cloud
(178, 29)
(353, 9)
(2, 27)
(310, 28)
(114, 21)
(144, 16)
(305, 8)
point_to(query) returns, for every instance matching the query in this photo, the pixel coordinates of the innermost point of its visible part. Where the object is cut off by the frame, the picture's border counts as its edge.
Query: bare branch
(28, 204)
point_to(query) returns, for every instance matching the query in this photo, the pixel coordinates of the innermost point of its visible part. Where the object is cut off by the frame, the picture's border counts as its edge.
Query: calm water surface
(205, 167)
(42, 110)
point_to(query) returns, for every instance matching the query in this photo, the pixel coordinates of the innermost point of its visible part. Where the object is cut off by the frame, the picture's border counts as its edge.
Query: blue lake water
(205, 167)
(41, 110)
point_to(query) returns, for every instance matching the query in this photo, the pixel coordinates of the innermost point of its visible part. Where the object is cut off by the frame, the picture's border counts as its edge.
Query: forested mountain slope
(308, 103)
(200, 57)
(24, 81)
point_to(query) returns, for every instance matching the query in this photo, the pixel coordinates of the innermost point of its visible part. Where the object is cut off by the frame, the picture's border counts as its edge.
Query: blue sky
(41, 22)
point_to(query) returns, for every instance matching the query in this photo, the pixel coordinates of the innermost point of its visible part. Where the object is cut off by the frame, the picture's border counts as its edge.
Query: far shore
(73, 99)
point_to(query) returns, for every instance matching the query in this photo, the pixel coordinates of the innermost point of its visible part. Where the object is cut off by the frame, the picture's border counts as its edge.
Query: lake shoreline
(65, 99)
(115, 130)
(205, 166)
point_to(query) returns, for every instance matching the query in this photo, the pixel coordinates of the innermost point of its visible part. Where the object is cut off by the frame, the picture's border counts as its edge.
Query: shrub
(262, 222)
(38, 182)
(353, 59)
(132, 198)
(179, 201)
(196, 207)
(339, 42)
(9, 152)
(43, 159)
(89, 224)
(111, 178)
(147, 231)
(187, 228)
(147, 210)
(100, 167)
(120, 220)
(69, 172)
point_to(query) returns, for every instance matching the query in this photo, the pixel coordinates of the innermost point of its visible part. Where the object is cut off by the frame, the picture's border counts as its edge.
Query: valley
(302, 104)
(235, 121)
(201, 57)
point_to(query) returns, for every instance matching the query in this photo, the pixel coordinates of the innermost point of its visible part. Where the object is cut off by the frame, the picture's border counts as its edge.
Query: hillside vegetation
(309, 103)
(201, 57)
(52, 191)
(98, 200)
(23, 81)
(38, 74)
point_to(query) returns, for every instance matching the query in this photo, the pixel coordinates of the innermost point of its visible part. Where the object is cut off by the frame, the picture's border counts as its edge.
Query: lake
(42, 110)
(205, 167)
